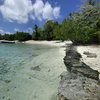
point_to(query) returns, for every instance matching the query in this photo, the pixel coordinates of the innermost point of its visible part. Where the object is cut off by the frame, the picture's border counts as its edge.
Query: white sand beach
(93, 62)
(50, 43)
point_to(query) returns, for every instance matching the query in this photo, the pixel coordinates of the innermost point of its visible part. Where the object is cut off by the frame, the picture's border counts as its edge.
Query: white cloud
(56, 12)
(48, 11)
(30, 30)
(1, 31)
(16, 29)
(38, 9)
(8, 32)
(22, 10)
(4, 32)
(16, 10)
(45, 11)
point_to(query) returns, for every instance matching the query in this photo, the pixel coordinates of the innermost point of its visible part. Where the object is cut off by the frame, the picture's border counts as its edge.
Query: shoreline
(50, 43)
(50, 64)
(28, 82)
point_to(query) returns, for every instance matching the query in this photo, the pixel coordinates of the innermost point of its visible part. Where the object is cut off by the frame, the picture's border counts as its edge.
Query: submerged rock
(3, 97)
(7, 81)
(37, 68)
(81, 81)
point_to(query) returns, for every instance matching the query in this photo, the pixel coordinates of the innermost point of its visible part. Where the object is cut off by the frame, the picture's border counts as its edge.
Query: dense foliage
(21, 36)
(81, 27)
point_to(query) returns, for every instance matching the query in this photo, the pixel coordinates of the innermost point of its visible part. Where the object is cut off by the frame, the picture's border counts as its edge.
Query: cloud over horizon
(4, 32)
(23, 10)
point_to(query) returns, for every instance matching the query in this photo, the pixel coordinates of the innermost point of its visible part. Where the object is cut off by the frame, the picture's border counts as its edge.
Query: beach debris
(90, 55)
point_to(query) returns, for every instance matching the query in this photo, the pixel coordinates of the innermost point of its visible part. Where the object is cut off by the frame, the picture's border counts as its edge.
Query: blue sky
(21, 15)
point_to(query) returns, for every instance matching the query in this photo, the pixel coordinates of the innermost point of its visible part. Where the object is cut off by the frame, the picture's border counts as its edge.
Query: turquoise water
(17, 79)
(13, 56)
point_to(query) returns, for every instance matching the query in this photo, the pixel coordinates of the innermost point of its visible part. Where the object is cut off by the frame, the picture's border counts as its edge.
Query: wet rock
(74, 64)
(81, 81)
(74, 87)
(87, 72)
(99, 82)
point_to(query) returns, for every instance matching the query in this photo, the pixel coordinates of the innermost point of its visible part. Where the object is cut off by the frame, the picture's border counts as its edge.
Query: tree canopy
(82, 27)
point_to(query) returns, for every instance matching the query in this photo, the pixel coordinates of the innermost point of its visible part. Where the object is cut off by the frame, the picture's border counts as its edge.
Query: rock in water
(81, 81)
(37, 68)
(7, 81)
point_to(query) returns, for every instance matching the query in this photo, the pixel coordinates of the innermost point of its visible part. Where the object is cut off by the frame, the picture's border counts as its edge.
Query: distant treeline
(81, 27)
(21, 36)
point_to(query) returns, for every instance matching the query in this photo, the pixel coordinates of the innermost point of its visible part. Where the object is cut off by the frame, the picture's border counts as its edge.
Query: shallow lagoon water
(17, 79)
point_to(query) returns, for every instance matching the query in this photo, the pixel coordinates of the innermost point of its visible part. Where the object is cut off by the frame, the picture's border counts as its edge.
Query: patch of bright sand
(94, 63)
(50, 43)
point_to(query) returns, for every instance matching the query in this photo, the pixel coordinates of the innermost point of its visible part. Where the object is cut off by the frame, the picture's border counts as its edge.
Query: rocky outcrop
(80, 82)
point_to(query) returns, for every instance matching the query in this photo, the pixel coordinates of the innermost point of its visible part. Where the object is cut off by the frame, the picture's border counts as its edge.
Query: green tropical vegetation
(82, 27)
(21, 36)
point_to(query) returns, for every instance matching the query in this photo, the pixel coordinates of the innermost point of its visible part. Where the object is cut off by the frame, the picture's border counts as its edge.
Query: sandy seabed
(42, 84)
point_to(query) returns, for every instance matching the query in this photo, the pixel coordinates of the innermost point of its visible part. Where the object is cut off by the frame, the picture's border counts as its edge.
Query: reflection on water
(19, 77)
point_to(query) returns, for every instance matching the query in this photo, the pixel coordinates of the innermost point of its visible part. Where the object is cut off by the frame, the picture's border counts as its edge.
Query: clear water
(18, 81)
